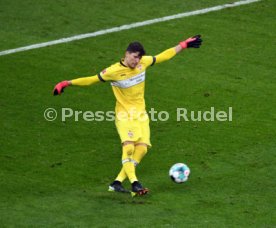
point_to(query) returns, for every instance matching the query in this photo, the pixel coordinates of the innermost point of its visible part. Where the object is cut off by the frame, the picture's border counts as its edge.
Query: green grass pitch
(56, 174)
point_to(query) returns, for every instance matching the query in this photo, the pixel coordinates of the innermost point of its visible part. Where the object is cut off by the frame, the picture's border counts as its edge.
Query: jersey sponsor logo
(126, 83)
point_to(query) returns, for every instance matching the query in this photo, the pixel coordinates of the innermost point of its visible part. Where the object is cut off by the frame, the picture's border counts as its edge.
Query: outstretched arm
(85, 81)
(193, 42)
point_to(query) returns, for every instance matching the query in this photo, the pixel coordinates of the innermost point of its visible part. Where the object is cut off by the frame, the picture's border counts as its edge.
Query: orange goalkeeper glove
(59, 88)
(193, 42)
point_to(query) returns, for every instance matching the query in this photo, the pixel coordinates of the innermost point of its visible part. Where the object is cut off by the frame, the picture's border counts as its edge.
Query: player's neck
(124, 63)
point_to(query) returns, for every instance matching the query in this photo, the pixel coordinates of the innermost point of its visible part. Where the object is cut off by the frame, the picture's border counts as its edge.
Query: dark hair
(136, 47)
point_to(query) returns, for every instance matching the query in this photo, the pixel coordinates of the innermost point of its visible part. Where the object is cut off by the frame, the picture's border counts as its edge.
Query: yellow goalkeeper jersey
(128, 86)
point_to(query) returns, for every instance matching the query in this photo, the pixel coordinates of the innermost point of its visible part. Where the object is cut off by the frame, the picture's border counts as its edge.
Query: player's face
(132, 59)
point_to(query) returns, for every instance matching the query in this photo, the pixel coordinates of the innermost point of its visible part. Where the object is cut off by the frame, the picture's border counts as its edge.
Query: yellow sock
(121, 176)
(140, 152)
(128, 163)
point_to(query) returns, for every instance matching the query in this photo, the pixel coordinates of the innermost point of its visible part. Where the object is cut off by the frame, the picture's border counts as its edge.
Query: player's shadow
(125, 198)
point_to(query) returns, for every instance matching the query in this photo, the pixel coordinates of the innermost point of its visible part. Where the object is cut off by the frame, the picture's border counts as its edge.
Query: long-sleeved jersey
(128, 84)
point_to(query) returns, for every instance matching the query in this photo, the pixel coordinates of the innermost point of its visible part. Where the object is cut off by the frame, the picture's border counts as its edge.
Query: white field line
(126, 27)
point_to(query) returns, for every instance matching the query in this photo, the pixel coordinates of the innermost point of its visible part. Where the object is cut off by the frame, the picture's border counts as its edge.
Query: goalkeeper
(127, 79)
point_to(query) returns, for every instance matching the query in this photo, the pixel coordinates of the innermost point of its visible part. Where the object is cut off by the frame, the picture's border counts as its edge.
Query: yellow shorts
(136, 130)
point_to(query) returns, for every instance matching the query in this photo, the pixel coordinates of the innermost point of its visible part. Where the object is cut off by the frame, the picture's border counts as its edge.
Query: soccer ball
(179, 173)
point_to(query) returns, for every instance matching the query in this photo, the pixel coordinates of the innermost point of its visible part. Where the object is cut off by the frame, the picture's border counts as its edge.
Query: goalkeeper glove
(59, 88)
(193, 42)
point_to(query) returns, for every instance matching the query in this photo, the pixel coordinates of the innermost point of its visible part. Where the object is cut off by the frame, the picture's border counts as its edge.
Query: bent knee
(141, 148)
(128, 150)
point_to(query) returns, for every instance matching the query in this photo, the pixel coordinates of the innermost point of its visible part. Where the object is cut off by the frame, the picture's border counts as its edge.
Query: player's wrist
(64, 84)
(183, 44)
